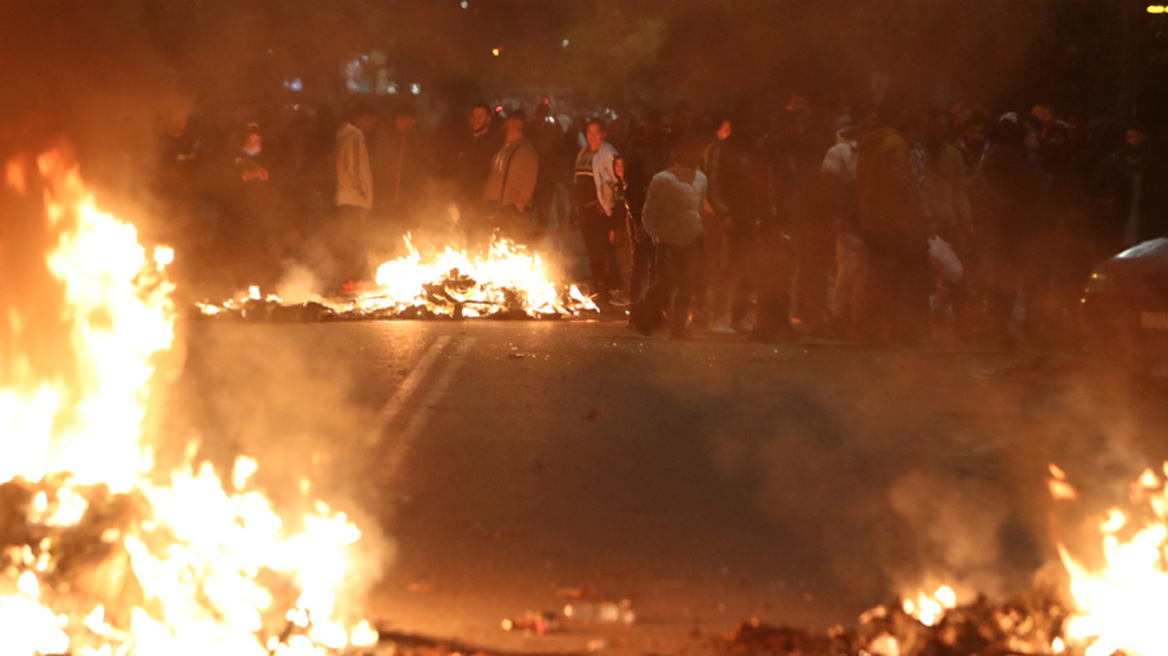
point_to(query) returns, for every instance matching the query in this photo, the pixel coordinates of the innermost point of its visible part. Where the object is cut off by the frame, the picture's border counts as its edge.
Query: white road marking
(410, 385)
(404, 441)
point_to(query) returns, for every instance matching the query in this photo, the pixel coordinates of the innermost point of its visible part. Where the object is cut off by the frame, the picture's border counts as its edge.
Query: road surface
(511, 465)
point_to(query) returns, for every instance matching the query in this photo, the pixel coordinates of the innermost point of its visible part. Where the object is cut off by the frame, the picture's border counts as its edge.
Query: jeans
(597, 230)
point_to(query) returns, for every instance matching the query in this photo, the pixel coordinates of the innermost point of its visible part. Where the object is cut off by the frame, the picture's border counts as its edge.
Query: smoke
(900, 473)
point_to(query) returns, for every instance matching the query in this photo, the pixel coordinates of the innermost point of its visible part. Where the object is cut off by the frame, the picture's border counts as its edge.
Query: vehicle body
(1124, 309)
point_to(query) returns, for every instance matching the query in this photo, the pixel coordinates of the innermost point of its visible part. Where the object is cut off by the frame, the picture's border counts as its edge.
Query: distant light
(391, 89)
(464, 4)
(564, 43)
(498, 108)
(415, 89)
(294, 84)
(1157, 9)
(496, 51)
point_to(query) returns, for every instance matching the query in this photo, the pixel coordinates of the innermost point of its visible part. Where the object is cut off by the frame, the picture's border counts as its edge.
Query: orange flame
(198, 551)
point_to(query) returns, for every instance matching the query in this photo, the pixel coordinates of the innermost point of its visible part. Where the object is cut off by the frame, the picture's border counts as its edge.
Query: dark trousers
(712, 283)
(597, 229)
(1019, 265)
(676, 266)
(897, 304)
(774, 272)
(815, 248)
(644, 269)
(742, 270)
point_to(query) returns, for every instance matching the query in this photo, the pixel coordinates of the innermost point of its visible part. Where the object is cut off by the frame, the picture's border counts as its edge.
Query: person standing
(548, 139)
(893, 217)
(400, 163)
(672, 216)
(592, 194)
(711, 290)
(1013, 177)
(1131, 193)
(511, 182)
(473, 162)
(354, 197)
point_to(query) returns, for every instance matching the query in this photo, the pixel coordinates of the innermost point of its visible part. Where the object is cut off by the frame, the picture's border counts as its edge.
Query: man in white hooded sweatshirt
(673, 218)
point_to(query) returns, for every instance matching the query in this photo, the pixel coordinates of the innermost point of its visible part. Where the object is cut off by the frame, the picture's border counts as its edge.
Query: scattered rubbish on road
(602, 613)
(533, 622)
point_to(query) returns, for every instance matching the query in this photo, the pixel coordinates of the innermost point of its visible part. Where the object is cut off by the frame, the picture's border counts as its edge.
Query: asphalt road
(508, 464)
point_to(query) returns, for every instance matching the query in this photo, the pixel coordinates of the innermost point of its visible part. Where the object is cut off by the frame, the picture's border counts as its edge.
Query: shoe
(743, 326)
(722, 327)
(617, 298)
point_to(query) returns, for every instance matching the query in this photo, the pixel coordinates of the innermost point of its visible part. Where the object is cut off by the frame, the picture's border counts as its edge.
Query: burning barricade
(506, 281)
(103, 551)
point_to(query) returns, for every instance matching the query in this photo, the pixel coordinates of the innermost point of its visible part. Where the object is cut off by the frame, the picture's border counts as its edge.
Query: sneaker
(743, 326)
(618, 298)
(722, 327)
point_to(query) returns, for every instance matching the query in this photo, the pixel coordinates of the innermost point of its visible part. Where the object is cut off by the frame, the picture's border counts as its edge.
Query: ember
(105, 554)
(506, 282)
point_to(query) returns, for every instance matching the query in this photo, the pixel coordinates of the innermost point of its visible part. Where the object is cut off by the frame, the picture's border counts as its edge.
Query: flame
(184, 572)
(930, 608)
(507, 277)
(1119, 605)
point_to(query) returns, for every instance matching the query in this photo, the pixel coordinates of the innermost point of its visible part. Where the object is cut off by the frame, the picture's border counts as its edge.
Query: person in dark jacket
(893, 215)
(1130, 187)
(400, 161)
(472, 163)
(1013, 176)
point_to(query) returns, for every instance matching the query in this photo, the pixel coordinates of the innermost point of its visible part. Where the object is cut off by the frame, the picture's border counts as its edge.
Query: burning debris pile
(1115, 604)
(104, 552)
(506, 282)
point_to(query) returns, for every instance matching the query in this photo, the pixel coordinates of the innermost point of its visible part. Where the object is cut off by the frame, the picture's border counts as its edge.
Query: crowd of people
(882, 224)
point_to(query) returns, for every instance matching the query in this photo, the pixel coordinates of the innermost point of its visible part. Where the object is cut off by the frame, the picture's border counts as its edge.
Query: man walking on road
(673, 217)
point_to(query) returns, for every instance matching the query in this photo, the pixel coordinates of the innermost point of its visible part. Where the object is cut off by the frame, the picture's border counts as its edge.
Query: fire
(115, 557)
(930, 608)
(479, 284)
(1120, 603)
(506, 279)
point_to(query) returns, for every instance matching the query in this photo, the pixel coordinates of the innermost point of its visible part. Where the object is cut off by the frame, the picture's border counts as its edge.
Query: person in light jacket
(354, 196)
(593, 201)
(673, 217)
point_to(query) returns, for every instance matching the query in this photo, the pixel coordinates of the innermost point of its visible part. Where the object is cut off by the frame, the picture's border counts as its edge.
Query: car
(1124, 309)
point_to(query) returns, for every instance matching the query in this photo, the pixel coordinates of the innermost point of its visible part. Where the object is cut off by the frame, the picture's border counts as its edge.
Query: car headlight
(1100, 283)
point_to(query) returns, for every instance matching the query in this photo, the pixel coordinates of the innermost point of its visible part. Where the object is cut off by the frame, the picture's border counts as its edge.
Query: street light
(1157, 9)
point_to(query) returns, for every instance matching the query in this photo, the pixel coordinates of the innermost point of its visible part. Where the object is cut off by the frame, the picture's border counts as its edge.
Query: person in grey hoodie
(673, 218)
